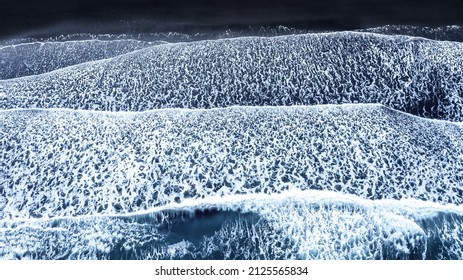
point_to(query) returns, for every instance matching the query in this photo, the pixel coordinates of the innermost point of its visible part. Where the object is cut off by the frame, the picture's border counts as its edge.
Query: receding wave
(72, 163)
(297, 225)
(414, 75)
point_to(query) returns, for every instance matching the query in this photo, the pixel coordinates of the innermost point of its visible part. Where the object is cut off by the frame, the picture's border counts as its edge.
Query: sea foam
(414, 75)
(73, 163)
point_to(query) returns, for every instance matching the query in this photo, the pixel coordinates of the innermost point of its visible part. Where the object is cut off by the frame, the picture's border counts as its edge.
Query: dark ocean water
(231, 130)
(44, 19)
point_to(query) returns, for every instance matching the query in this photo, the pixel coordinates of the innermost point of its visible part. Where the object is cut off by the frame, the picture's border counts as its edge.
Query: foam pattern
(170, 146)
(59, 163)
(298, 225)
(414, 75)
(33, 58)
(442, 33)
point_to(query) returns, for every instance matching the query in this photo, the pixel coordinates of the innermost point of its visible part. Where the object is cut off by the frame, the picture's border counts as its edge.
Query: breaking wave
(291, 225)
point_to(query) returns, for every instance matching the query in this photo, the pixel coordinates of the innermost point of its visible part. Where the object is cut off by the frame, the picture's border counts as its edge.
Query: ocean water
(265, 144)
(414, 75)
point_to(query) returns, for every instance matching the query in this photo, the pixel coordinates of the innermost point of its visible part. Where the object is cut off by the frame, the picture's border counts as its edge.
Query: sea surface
(263, 143)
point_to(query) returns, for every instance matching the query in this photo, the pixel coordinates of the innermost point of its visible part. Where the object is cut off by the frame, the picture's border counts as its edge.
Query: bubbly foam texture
(72, 163)
(318, 182)
(291, 225)
(447, 33)
(414, 75)
(35, 58)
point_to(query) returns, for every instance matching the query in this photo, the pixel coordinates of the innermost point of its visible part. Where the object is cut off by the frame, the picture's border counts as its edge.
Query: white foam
(70, 163)
(418, 76)
(35, 58)
(292, 225)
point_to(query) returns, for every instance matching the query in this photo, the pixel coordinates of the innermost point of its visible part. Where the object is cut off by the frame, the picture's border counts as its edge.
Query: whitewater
(337, 145)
